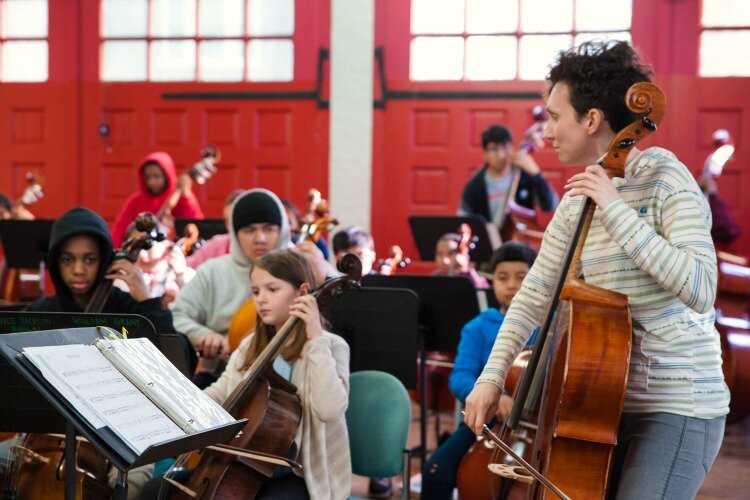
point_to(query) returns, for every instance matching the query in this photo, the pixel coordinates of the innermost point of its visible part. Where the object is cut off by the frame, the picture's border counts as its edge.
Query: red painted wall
(423, 152)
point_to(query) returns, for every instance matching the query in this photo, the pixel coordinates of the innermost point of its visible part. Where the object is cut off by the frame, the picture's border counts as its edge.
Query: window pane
(619, 35)
(271, 17)
(725, 53)
(270, 61)
(221, 61)
(543, 16)
(221, 18)
(25, 61)
(26, 18)
(124, 18)
(491, 16)
(437, 16)
(538, 53)
(725, 13)
(491, 57)
(173, 18)
(173, 60)
(613, 15)
(123, 61)
(437, 58)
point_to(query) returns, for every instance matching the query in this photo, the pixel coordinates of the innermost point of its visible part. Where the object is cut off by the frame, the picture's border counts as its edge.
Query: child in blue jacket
(509, 265)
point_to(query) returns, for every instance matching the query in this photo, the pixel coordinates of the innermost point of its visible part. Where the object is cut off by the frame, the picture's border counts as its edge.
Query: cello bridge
(514, 472)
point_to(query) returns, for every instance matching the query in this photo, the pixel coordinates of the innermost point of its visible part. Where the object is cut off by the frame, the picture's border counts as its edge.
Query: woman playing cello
(650, 240)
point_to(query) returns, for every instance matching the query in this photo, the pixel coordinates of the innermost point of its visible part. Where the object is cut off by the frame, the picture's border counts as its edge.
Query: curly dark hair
(599, 74)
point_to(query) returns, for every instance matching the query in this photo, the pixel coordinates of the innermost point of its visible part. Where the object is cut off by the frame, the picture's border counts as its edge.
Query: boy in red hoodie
(157, 178)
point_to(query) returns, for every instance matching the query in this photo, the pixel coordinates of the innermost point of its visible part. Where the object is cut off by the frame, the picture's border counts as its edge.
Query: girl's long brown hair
(290, 266)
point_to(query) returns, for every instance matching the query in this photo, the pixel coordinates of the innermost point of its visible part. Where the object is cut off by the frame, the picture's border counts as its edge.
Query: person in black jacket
(484, 194)
(79, 259)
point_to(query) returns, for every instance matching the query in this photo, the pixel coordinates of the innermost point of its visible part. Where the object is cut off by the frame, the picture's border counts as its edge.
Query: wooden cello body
(274, 411)
(584, 391)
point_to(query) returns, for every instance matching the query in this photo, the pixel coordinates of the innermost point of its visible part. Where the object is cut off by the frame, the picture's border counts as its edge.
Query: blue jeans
(439, 472)
(663, 455)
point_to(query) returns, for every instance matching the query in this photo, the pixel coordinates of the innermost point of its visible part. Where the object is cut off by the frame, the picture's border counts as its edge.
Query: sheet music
(106, 392)
(146, 367)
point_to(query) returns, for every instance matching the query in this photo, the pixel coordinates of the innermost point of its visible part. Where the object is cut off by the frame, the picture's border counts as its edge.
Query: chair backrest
(378, 419)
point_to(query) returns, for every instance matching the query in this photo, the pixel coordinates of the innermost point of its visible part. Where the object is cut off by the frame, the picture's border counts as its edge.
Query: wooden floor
(729, 478)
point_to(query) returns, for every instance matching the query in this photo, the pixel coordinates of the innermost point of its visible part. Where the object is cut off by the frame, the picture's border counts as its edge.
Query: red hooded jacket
(142, 200)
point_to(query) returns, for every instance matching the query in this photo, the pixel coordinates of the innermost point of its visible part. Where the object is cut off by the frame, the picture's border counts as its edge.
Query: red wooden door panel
(431, 149)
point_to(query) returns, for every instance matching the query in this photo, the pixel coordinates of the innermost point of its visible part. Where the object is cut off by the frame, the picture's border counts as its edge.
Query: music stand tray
(25, 242)
(207, 228)
(380, 326)
(103, 439)
(427, 229)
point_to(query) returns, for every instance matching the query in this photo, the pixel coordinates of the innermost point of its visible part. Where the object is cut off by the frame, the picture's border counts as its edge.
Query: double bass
(583, 390)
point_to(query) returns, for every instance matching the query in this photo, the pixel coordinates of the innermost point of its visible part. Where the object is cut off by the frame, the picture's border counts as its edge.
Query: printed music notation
(141, 409)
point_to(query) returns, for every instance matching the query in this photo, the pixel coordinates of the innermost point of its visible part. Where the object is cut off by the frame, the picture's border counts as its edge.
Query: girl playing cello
(650, 240)
(315, 361)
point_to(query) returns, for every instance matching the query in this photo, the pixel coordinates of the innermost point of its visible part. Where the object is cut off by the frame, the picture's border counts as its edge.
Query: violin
(395, 261)
(318, 218)
(584, 381)
(273, 409)
(200, 172)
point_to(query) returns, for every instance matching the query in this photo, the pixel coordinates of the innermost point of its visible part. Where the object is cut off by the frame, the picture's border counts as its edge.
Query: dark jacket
(82, 221)
(531, 191)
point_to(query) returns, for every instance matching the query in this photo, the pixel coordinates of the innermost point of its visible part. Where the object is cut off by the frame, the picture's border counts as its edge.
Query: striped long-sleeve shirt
(654, 245)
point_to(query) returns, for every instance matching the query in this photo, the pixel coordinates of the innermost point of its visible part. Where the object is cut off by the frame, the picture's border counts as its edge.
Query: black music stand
(103, 439)
(21, 398)
(427, 229)
(446, 304)
(207, 228)
(25, 244)
(176, 347)
(380, 325)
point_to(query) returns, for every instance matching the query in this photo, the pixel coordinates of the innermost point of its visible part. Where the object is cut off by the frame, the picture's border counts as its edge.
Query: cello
(585, 380)
(200, 172)
(517, 222)
(272, 407)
